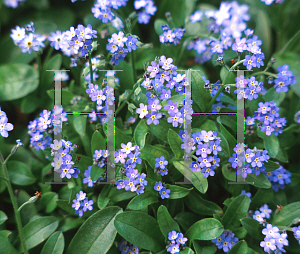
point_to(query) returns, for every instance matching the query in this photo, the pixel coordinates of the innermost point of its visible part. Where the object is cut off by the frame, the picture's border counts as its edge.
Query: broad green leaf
(229, 121)
(230, 77)
(157, 24)
(187, 250)
(150, 153)
(140, 133)
(6, 247)
(204, 249)
(202, 96)
(142, 200)
(239, 247)
(3, 217)
(177, 191)
(30, 103)
(55, 244)
(5, 233)
(282, 155)
(70, 223)
(97, 233)
(116, 195)
(236, 210)
(54, 63)
(79, 123)
(96, 172)
(229, 174)
(229, 138)
(196, 178)
(260, 181)
(19, 173)
(17, 81)
(186, 219)
(166, 222)
(205, 229)
(48, 201)
(175, 144)
(98, 142)
(38, 230)
(272, 95)
(140, 229)
(176, 8)
(271, 166)
(65, 205)
(161, 130)
(201, 206)
(253, 227)
(262, 196)
(286, 216)
(121, 137)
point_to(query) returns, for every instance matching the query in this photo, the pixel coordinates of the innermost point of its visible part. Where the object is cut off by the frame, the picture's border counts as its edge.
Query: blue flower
(172, 235)
(158, 186)
(4, 126)
(153, 118)
(265, 209)
(268, 244)
(164, 193)
(250, 61)
(161, 162)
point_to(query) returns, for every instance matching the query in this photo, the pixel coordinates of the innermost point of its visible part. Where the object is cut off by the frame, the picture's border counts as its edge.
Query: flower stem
(14, 203)
(91, 68)
(133, 66)
(265, 73)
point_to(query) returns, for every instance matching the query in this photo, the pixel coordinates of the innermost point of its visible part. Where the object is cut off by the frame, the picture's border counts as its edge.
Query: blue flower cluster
(254, 60)
(274, 240)
(40, 128)
(171, 36)
(176, 240)
(149, 10)
(225, 241)
(297, 117)
(127, 248)
(102, 9)
(63, 162)
(268, 116)
(136, 181)
(279, 178)
(160, 71)
(269, 2)
(81, 204)
(208, 146)
(296, 231)
(284, 79)
(76, 41)
(247, 88)
(163, 191)
(29, 41)
(13, 3)
(160, 166)
(263, 213)
(116, 46)
(4, 125)
(252, 161)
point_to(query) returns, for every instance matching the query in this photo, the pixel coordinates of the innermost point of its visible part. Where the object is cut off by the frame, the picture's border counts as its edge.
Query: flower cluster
(27, 39)
(208, 146)
(102, 9)
(127, 247)
(171, 36)
(162, 70)
(247, 88)
(63, 162)
(279, 178)
(136, 181)
(176, 240)
(163, 191)
(263, 213)
(160, 166)
(76, 41)
(4, 125)
(252, 161)
(284, 79)
(254, 60)
(81, 204)
(12, 3)
(297, 117)
(269, 2)
(296, 231)
(268, 116)
(149, 10)
(225, 241)
(273, 241)
(40, 128)
(116, 46)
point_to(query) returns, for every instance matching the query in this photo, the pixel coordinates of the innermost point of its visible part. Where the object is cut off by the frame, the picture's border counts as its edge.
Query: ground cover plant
(142, 126)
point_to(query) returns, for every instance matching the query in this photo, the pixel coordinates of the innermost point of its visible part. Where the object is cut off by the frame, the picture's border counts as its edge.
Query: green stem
(133, 66)
(19, 209)
(129, 96)
(91, 68)
(14, 204)
(265, 73)
(38, 59)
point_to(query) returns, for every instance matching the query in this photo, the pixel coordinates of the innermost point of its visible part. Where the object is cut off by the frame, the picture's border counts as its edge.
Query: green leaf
(79, 123)
(176, 8)
(270, 166)
(48, 201)
(96, 172)
(228, 136)
(142, 200)
(271, 143)
(65, 205)
(19, 173)
(97, 233)
(140, 133)
(17, 81)
(262, 196)
(166, 222)
(54, 63)
(187, 250)
(103, 200)
(120, 137)
(239, 247)
(161, 130)
(287, 215)
(3, 217)
(260, 181)
(231, 77)
(38, 230)
(177, 191)
(186, 219)
(55, 244)
(236, 210)
(205, 229)
(272, 95)
(157, 24)
(202, 95)
(150, 153)
(196, 178)
(229, 174)
(253, 227)
(140, 229)
(204, 249)
(175, 144)
(201, 206)
(282, 155)
(66, 95)
(30, 103)
(98, 142)
(6, 247)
